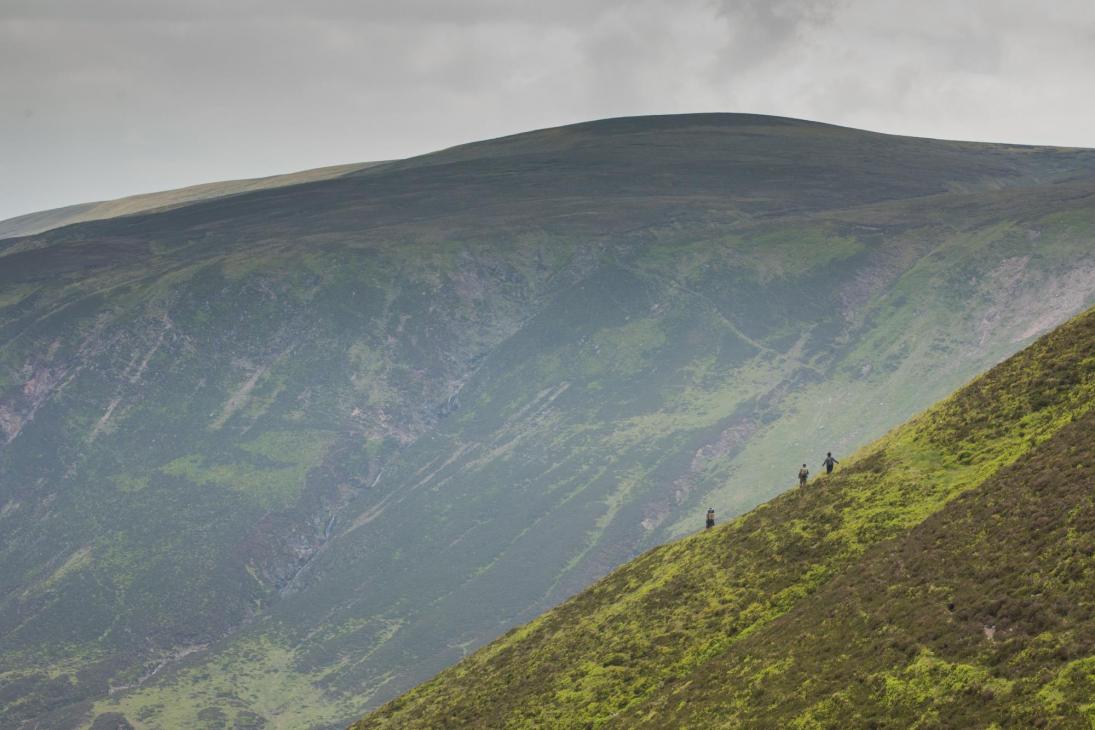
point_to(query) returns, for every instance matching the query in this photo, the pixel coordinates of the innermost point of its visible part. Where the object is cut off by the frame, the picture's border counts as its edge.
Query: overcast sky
(104, 98)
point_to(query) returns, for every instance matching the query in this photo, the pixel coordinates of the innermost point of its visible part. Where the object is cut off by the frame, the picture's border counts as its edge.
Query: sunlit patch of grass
(255, 685)
(274, 483)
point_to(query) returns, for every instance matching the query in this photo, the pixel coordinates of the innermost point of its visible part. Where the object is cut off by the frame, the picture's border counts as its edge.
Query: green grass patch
(275, 482)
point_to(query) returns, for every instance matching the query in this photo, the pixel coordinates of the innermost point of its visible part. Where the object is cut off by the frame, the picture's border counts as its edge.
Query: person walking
(829, 463)
(710, 518)
(803, 475)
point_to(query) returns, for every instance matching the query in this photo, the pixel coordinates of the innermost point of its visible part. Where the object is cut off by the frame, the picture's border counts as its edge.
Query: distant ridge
(31, 223)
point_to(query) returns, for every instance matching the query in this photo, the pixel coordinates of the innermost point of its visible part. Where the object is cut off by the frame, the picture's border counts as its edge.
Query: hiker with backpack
(803, 475)
(710, 518)
(829, 463)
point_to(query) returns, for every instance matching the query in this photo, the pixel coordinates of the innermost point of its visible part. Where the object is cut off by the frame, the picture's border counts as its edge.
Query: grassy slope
(981, 616)
(832, 602)
(26, 225)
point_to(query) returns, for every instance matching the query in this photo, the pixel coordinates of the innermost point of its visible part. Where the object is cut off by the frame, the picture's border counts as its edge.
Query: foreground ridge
(944, 577)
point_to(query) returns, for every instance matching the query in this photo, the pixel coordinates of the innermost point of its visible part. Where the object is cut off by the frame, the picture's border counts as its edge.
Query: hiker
(803, 475)
(710, 518)
(829, 462)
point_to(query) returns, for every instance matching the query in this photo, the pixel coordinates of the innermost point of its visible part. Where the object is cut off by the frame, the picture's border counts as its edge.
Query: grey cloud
(371, 11)
(115, 97)
(762, 27)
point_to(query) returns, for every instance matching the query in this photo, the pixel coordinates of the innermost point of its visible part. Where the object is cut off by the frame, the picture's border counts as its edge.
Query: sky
(105, 98)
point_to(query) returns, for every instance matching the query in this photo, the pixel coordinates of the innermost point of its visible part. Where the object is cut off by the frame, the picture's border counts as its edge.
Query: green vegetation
(252, 681)
(943, 577)
(274, 482)
(368, 420)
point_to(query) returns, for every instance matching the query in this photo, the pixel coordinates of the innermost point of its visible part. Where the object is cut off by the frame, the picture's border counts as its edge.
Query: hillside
(942, 578)
(32, 223)
(278, 456)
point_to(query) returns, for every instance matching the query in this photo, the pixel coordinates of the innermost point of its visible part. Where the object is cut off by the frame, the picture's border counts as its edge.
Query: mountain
(278, 456)
(943, 577)
(26, 225)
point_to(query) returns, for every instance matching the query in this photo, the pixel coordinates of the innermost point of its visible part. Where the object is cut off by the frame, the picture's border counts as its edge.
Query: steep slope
(32, 223)
(285, 453)
(943, 578)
